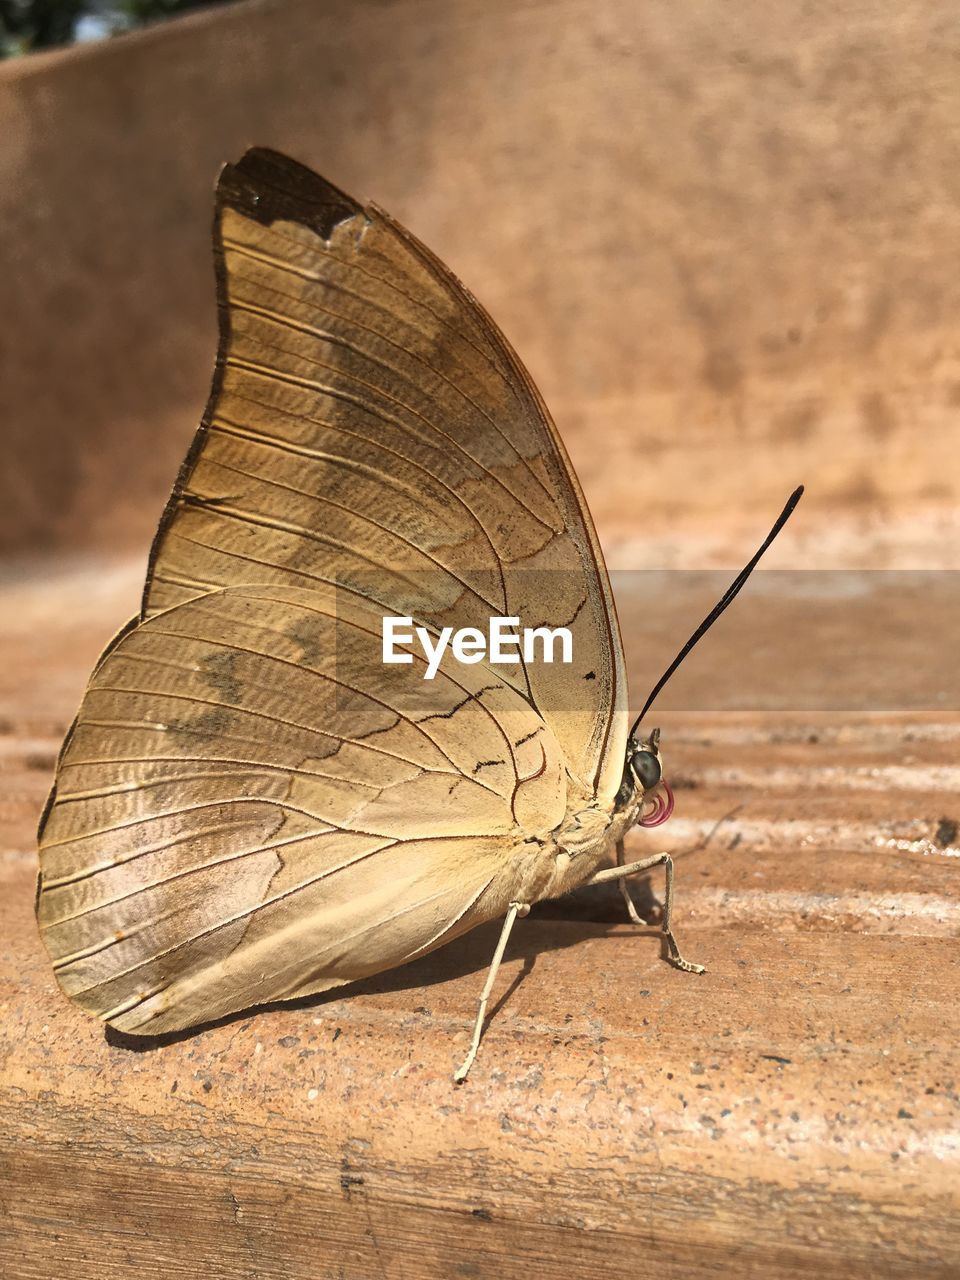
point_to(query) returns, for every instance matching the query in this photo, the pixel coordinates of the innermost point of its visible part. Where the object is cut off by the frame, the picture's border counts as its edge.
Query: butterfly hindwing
(240, 817)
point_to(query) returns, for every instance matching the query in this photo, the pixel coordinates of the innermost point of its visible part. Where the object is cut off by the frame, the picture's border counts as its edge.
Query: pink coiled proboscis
(662, 807)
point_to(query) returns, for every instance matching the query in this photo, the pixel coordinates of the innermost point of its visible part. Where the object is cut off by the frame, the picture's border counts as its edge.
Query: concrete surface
(793, 1112)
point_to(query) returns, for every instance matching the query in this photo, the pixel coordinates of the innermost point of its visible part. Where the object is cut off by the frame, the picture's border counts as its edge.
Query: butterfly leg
(516, 909)
(621, 871)
(632, 911)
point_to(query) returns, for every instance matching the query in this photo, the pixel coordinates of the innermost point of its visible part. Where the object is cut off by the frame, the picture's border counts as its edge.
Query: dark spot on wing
(219, 673)
(206, 500)
(487, 764)
(446, 715)
(269, 187)
(309, 634)
(471, 697)
(210, 723)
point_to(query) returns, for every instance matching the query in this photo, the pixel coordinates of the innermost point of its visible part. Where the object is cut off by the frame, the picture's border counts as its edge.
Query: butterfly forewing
(370, 426)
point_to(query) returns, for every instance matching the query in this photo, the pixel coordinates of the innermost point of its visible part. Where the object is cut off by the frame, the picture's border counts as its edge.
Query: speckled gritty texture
(794, 1112)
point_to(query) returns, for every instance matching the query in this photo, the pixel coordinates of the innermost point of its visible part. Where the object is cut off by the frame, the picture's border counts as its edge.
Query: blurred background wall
(723, 238)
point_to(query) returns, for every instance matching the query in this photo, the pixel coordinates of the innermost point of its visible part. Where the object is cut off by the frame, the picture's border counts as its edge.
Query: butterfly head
(643, 779)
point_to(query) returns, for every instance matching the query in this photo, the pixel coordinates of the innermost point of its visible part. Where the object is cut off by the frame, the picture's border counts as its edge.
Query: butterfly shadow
(600, 905)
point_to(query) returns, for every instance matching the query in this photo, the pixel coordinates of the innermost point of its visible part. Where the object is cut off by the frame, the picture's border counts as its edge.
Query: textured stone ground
(794, 1111)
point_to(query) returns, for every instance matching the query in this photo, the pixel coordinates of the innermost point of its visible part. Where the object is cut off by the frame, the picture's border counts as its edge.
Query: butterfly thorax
(588, 835)
(584, 841)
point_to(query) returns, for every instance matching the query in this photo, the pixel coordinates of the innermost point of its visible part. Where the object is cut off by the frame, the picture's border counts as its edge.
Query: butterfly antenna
(727, 598)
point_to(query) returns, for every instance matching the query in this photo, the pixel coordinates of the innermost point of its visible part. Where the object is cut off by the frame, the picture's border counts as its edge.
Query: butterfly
(251, 805)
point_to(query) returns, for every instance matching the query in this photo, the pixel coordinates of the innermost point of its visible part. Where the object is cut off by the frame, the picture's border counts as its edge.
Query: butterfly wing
(251, 805)
(240, 817)
(369, 425)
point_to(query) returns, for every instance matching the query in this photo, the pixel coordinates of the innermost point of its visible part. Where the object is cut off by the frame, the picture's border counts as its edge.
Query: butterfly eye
(646, 767)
